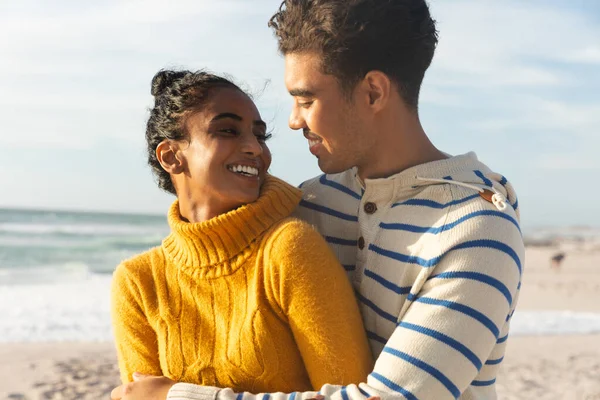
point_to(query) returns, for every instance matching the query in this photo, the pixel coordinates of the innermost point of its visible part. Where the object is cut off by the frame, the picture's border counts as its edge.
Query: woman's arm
(308, 284)
(135, 339)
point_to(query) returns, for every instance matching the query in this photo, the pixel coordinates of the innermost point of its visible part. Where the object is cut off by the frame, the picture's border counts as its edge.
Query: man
(431, 242)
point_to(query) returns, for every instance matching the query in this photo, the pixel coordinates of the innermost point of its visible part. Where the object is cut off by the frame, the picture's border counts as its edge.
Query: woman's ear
(169, 156)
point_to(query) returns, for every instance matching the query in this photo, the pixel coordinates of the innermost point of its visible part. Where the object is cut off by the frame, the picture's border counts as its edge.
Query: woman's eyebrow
(260, 123)
(236, 117)
(227, 115)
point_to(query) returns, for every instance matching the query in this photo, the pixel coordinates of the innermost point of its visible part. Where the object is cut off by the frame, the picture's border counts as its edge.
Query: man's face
(333, 124)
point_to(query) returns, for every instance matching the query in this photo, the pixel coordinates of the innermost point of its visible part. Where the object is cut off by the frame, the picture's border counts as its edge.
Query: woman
(239, 294)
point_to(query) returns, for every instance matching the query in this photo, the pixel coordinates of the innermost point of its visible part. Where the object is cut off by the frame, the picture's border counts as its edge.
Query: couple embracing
(395, 274)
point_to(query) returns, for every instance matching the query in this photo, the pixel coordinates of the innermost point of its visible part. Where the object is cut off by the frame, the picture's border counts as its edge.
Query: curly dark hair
(353, 37)
(177, 94)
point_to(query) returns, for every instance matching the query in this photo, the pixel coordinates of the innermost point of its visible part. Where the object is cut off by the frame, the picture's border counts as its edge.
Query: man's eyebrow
(236, 117)
(301, 93)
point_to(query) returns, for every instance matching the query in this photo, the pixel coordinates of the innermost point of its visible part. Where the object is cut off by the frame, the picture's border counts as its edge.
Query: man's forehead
(300, 64)
(303, 72)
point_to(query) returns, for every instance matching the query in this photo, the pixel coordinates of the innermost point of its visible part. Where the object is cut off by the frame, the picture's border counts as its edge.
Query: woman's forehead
(230, 100)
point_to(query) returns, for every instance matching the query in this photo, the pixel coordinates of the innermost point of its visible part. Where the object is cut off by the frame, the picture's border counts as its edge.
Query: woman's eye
(229, 131)
(263, 137)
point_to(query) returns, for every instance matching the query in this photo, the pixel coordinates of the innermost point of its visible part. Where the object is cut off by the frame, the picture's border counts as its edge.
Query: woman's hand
(143, 387)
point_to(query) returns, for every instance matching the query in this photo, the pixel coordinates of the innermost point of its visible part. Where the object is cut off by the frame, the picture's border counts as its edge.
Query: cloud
(519, 75)
(488, 43)
(515, 81)
(570, 161)
(589, 55)
(80, 73)
(576, 119)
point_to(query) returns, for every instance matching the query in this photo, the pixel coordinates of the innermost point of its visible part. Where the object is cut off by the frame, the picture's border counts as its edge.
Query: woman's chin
(244, 197)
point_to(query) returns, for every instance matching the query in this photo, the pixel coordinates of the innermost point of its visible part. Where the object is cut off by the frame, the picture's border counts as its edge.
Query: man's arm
(443, 340)
(448, 332)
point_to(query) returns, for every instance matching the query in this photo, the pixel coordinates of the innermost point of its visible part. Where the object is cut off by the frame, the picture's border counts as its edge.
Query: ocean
(56, 268)
(43, 246)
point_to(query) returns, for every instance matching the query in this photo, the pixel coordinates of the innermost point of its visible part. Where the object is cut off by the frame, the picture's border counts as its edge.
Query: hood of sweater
(462, 170)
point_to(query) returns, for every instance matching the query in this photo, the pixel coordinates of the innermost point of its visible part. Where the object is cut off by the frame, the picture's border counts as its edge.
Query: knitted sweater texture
(237, 302)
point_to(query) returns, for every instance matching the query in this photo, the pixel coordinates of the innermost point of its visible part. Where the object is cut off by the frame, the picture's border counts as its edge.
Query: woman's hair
(353, 37)
(177, 94)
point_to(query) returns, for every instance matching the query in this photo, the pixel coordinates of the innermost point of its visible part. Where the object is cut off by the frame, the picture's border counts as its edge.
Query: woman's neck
(195, 211)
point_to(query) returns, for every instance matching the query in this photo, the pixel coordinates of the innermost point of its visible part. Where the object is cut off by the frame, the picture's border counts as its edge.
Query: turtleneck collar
(211, 244)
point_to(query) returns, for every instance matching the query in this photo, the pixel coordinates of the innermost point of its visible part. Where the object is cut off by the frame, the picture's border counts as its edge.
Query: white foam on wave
(59, 312)
(526, 323)
(78, 229)
(79, 310)
(46, 274)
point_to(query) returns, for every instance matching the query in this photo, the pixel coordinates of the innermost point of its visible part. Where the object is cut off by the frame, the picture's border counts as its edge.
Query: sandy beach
(57, 371)
(535, 367)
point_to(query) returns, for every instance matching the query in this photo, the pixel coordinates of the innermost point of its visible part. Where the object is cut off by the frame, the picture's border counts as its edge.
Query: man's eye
(305, 104)
(229, 131)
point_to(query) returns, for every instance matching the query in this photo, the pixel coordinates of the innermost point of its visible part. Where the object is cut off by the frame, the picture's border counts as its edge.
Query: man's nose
(296, 120)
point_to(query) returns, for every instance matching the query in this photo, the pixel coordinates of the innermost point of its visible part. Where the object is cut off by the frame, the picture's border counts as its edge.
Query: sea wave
(47, 274)
(79, 310)
(34, 243)
(63, 311)
(78, 229)
(526, 323)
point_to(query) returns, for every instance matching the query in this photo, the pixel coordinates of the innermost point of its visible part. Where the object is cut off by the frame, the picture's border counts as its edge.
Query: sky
(517, 82)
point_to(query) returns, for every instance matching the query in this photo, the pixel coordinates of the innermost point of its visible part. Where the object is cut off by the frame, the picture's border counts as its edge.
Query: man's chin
(329, 167)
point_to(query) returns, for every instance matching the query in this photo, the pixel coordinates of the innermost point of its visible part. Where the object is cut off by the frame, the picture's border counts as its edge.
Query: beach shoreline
(535, 367)
(560, 361)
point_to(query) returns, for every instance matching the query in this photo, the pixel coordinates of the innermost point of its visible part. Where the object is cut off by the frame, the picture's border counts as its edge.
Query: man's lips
(311, 136)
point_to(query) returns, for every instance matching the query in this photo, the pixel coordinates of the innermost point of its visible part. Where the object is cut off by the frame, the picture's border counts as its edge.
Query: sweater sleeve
(137, 348)
(310, 287)
(443, 340)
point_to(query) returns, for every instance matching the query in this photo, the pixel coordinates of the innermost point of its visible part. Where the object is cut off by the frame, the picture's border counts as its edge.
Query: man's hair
(353, 37)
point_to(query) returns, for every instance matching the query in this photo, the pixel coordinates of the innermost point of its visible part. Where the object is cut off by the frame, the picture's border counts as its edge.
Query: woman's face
(227, 158)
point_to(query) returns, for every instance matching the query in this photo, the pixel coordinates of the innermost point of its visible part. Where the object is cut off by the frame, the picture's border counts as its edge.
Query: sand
(575, 286)
(551, 368)
(57, 371)
(546, 367)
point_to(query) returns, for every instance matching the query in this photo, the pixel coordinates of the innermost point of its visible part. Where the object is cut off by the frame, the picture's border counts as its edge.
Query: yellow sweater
(251, 300)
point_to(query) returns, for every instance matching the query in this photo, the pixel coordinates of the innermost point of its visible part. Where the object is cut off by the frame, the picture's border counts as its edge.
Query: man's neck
(401, 144)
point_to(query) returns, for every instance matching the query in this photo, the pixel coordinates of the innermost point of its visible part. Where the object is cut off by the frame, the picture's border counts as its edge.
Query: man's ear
(378, 88)
(169, 156)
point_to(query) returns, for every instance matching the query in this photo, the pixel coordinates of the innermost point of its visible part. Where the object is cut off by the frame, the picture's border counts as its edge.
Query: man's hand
(144, 387)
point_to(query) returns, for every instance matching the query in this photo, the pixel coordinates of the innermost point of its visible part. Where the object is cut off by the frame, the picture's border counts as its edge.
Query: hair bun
(165, 79)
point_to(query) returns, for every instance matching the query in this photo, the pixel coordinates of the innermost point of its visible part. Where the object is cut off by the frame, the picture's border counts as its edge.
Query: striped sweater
(437, 269)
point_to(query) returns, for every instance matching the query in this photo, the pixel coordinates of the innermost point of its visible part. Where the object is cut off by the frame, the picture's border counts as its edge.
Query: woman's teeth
(243, 170)
(312, 143)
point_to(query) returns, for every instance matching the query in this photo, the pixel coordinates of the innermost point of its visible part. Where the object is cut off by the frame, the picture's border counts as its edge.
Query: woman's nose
(252, 146)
